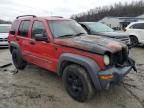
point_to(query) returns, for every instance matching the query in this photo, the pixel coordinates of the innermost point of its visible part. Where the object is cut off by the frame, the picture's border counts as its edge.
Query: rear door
(23, 39)
(141, 31)
(138, 29)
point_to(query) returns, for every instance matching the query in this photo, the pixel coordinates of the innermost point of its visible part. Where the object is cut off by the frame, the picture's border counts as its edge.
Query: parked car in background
(4, 30)
(96, 28)
(136, 32)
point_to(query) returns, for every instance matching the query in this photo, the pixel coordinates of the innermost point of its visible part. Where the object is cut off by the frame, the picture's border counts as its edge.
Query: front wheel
(18, 60)
(77, 83)
(134, 41)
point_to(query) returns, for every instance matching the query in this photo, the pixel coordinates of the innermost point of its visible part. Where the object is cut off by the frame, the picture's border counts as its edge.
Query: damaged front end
(122, 59)
(121, 64)
(115, 63)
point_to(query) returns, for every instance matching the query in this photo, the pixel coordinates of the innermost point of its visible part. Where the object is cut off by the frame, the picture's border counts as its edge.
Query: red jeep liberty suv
(85, 62)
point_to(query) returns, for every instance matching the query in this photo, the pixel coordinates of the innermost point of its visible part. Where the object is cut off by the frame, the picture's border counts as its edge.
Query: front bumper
(3, 44)
(116, 73)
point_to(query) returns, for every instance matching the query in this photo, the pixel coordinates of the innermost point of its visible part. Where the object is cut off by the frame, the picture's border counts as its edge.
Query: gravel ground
(38, 88)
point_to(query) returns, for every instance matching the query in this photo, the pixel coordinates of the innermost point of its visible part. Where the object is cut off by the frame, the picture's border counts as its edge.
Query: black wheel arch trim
(90, 65)
(14, 45)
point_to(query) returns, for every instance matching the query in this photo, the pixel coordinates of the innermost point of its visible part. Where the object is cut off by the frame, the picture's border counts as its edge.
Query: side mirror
(41, 37)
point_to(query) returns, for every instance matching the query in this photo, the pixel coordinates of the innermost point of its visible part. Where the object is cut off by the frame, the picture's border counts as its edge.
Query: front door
(141, 32)
(42, 52)
(138, 29)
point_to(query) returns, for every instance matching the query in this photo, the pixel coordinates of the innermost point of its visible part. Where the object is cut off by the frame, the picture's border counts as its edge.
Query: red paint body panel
(47, 54)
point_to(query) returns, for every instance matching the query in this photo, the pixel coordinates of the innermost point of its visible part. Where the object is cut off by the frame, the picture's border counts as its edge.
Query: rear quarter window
(137, 26)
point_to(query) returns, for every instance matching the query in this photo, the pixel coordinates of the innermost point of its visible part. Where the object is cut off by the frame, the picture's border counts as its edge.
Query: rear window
(13, 28)
(24, 28)
(138, 26)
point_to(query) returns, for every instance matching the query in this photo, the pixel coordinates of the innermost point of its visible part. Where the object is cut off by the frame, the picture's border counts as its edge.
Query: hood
(3, 35)
(115, 34)
(91, 43)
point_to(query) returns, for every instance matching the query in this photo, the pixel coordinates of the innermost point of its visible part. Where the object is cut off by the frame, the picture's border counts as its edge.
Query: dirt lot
(37, 88)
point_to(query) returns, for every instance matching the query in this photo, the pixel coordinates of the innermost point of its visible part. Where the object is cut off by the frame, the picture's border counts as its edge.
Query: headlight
(106, 59)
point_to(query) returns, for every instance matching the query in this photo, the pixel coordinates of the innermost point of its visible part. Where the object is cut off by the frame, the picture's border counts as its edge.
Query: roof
(41, 17)
(56, 18)
(85, 22)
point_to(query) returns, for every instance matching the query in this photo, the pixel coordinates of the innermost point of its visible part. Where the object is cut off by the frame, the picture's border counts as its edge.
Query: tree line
(132, 9)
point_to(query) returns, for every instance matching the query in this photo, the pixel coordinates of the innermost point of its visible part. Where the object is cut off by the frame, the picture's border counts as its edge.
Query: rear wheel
(18, 60)
(134, 41)
(77, 83)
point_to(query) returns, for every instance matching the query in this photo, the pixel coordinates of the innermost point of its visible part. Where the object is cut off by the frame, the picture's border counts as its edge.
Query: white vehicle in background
(136, 32)
(4, 30)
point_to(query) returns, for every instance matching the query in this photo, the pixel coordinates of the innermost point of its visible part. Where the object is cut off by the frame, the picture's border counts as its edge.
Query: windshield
(4, 29)
(99, 27)
(65, 28)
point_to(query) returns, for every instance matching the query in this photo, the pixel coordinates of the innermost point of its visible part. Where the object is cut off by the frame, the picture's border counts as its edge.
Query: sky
(9, 9)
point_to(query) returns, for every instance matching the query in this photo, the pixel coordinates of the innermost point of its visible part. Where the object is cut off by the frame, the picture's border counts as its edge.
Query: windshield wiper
(80, 34)
(70, 35)
(67, 35)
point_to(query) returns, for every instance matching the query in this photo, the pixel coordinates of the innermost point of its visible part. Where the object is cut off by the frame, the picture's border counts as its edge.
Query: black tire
(134, 41)
(77, 83)
(18, 60)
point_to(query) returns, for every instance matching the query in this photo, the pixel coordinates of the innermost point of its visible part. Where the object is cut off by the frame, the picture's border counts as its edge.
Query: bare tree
(117, 10)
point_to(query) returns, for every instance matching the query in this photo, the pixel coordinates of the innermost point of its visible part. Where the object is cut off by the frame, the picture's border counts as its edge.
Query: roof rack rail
(25, 16)
(58, 16)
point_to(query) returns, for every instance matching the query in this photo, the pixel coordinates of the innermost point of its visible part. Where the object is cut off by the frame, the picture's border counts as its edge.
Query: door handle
(32, 43)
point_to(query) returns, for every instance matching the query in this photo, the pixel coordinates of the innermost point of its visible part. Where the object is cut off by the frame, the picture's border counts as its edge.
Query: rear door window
(24, 28)
(138, 26)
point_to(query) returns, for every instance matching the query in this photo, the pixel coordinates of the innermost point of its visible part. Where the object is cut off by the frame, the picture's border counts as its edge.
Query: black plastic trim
(90, 65)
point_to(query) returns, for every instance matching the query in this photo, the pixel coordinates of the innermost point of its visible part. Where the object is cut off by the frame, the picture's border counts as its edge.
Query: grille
(125, 40)
(3, 39)
(120, 57)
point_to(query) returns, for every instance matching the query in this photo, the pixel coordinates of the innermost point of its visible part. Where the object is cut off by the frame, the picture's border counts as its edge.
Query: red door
(42, 52)
(22, 38)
